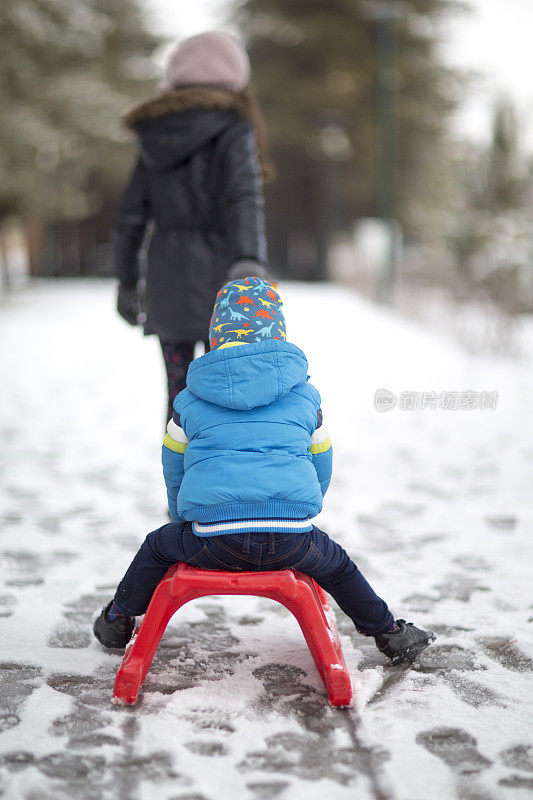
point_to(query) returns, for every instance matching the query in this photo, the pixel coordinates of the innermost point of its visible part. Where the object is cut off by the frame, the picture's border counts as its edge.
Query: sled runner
(296, 591)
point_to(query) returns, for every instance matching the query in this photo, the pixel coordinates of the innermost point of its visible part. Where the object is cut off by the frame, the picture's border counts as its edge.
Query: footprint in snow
(519, 757)
(267, 790)
(473, 693)
(207, 748)
(448, 657)
(17, 683)
(506, 653)
(457, 748)
(459, 587)
(7, 604)
(472, 563)
(502, 522)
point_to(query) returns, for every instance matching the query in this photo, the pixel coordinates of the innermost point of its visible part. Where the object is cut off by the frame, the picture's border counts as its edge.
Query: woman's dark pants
(177, 357)
(313, 553)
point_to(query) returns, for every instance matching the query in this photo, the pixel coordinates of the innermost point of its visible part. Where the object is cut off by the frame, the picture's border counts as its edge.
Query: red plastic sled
(296, 591)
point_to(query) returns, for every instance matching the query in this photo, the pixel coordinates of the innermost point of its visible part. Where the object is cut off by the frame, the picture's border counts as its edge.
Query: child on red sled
(247, 461)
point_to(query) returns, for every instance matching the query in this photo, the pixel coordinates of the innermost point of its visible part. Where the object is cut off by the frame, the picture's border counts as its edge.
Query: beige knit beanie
(208, 59)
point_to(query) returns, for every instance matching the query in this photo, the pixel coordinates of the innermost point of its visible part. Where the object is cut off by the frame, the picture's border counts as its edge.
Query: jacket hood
(173, 124)
(249, 375)
(169, 141)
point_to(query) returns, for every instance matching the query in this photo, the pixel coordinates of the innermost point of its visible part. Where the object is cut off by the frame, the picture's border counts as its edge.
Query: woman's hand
(129, 303)
(246, 268)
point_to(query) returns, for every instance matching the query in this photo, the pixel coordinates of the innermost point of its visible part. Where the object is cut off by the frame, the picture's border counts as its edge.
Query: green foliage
(67, 69)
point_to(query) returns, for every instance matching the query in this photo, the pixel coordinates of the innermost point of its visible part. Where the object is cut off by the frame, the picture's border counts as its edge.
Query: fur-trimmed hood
(184, 100)
(173, 124)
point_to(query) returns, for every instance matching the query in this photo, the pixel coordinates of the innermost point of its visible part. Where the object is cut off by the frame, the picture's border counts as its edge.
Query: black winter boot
(114, 634)
(403, 646)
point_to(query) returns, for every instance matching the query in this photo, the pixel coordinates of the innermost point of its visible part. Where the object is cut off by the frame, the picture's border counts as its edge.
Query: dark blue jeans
(313, 553)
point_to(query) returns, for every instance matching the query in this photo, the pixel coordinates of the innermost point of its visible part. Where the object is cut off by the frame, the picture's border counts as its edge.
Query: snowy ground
(434, 506)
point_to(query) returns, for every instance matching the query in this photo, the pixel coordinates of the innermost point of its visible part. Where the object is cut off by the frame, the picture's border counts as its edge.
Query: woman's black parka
(198, 181)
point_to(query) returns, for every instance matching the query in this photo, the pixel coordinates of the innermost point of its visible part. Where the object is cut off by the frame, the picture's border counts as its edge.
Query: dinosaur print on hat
(246, 312)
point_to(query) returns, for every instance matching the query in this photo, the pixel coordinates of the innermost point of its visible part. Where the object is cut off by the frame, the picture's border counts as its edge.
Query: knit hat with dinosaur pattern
(246, 310)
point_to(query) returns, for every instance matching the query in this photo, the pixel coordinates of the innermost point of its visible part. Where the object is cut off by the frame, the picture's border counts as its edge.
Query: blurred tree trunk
(34, 229)
(316, 56)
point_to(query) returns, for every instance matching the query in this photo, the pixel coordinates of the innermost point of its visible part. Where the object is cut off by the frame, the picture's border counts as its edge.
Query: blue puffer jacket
(246, 441)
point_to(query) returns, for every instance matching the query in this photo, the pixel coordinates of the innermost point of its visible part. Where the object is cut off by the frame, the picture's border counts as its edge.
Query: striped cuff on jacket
(176, 438)
(252, 526)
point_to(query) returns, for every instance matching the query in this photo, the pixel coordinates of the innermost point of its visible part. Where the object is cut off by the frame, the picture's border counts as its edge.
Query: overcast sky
(494, 39)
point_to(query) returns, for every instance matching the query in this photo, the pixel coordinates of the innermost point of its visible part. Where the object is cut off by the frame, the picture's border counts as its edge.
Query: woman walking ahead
(198, 180)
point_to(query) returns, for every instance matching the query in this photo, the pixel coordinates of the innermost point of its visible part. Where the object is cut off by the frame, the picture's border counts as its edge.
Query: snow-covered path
(435, 507)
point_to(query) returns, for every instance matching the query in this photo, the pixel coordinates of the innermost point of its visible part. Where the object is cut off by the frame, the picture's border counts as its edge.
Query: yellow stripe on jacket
(175, 438)
(320, 441)
(320, 447)
(178, 447)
